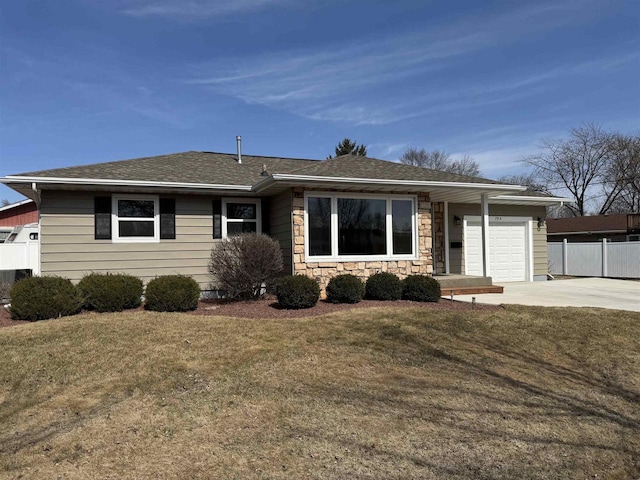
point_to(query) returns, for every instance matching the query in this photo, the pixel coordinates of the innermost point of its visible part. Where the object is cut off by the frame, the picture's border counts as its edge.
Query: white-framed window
(135, 218)
(241, 215)
(356, 227)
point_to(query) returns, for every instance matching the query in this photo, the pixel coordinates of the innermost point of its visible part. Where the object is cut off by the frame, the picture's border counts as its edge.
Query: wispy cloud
(386, 150)
(94, 89)
(198, 8)
(500, 161)
(339, 83)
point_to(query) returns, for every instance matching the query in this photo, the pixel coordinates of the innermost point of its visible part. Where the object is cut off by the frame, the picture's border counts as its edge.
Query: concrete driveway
(576, 292)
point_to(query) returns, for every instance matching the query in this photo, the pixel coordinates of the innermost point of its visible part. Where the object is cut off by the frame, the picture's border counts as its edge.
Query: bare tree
(4, 202)
(598, 169)
(577, 164)
(440, 160)
(465, 166)
(534, 184)
(528, 180)
(623, 174)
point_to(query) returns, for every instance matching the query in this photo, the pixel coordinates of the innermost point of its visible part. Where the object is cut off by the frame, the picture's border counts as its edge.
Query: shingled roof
(353, 166)
(224, 169)
(187, 167)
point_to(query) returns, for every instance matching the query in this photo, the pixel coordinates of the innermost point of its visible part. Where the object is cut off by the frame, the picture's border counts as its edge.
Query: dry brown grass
(377, 393)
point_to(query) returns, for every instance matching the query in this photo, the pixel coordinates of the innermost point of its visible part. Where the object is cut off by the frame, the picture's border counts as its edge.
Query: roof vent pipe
(239, 142)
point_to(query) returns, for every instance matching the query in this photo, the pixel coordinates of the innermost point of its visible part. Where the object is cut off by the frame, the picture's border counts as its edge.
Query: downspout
(36, 196)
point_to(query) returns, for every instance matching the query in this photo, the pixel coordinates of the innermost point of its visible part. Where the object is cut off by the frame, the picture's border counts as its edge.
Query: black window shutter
(167, 218)
(266, 224)
(217, 218)
(102, 218)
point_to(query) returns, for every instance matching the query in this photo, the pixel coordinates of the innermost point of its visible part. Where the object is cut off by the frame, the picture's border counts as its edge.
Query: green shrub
(383, 286)
(345, 288)
(421, 288)
(297, 291)
(38, 298)
(110, 292)
(245, 266)
(172, 293)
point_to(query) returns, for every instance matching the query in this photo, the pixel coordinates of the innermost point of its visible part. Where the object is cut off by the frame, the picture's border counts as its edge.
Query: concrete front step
(446, 291)
(463, 281)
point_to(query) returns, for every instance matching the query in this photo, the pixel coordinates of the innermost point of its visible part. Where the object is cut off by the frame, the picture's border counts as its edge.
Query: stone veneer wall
(438, 236)
(324, 271)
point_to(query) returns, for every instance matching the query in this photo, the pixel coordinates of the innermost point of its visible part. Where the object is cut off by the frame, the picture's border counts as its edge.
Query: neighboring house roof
(11, 206)
(18, 213)
(221, 171)
(588, 224)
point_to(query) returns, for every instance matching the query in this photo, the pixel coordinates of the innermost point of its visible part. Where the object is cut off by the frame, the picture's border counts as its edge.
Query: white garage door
(508, 249)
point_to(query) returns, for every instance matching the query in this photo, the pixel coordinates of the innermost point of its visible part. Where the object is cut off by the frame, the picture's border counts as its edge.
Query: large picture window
(319, 231)
(135, 219)
(240, 216)
(362, 226)
(344, 226)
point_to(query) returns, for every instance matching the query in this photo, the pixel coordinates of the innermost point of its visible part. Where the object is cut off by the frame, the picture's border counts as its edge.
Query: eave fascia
(105, 182)
(533, 199)
(311, 179)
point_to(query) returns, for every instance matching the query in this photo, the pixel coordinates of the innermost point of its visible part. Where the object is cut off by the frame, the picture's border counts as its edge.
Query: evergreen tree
(347, 147)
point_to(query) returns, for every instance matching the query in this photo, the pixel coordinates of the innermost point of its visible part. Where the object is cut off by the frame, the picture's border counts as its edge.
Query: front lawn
(369, 393)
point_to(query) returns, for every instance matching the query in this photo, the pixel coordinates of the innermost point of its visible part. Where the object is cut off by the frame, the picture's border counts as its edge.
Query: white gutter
(528, 198)
(119, 183)
(378, 181)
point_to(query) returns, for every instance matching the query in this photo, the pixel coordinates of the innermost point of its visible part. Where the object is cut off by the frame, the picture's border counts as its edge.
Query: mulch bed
(5, 318)
(269, 308)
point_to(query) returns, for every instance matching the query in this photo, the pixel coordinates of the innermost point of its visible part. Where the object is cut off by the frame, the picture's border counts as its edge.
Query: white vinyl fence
(595, 259)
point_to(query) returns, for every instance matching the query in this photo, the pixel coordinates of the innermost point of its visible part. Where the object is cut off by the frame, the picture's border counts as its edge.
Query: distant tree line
(440, 160)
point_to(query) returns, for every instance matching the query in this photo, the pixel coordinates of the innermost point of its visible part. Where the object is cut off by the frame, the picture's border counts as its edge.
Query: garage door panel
(507, 250)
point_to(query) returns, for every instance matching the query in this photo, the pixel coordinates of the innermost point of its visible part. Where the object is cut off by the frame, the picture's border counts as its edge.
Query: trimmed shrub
(110, 292)
(172, 293)
(383, 286)
(345, 288)
(297, 291)
(421, 288)
(245, 266)
(38, 298)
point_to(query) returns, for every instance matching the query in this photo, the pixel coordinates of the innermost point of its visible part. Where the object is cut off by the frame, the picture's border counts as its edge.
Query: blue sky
(84, 81)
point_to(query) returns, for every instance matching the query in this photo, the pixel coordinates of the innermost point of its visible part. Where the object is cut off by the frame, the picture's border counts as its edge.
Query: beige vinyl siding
(68, 247)
(540, 259)
(281, 227)
(456, 255)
